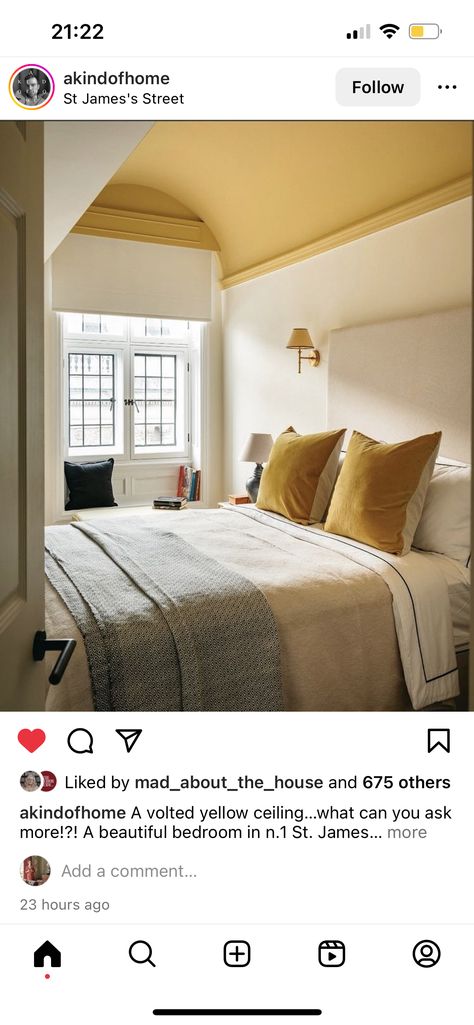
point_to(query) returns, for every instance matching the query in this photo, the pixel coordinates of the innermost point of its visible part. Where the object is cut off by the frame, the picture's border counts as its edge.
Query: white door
(22, 681)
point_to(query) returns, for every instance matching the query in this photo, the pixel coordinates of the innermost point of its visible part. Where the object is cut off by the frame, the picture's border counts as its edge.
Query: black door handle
(66, 647)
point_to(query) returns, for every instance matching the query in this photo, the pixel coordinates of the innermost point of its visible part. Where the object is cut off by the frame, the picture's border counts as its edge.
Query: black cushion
(89, 484)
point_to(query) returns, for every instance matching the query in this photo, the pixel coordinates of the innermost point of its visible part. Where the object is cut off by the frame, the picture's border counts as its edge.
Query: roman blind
(134, 279)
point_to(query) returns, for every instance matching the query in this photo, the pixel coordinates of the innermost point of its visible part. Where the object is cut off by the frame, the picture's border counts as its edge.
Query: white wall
(416, 267)
(79, 159)
(53, 443)
(212, 396)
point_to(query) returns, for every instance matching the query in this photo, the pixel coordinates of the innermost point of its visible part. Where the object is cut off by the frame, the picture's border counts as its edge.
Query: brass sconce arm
(300, 339)
(314, 359)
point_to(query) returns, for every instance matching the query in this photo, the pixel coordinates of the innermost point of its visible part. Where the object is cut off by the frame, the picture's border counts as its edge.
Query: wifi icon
(389, 30)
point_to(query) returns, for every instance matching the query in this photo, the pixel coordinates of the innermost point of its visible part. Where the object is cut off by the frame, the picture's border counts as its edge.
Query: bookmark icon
(439, 738)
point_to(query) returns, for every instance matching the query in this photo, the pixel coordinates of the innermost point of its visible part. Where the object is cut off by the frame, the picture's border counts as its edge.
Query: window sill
(135, 463)
(138, 509)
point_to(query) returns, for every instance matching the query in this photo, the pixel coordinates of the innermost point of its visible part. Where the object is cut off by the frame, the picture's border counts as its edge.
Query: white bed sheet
(458, 581)
(421, 607)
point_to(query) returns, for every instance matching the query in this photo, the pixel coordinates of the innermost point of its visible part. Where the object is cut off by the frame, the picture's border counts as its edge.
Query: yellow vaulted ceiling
(264, 190)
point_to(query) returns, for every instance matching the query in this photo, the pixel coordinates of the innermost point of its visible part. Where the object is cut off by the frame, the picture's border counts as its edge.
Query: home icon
(47, 950)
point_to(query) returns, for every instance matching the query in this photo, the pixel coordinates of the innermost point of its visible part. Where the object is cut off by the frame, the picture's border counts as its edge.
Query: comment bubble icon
(81, 741)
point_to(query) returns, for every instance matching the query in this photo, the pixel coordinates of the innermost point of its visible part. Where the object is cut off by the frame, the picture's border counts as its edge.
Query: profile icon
(31, 86)
(426, 954)
(48, 780)
(35, 870)
(30, 781)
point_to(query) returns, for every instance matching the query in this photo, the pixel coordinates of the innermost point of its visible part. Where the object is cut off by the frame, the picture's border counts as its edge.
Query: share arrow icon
(129, 737)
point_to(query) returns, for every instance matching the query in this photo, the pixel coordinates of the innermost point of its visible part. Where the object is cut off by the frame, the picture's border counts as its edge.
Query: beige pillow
(379, 495)
(299, 476)
(445, 524)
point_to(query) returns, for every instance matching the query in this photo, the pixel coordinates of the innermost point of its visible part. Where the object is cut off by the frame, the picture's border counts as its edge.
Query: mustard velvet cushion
(380, 491)
(298, 479)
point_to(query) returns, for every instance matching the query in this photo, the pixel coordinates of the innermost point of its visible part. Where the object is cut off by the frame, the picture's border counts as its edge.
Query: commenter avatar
(31, 86)
(35, 870)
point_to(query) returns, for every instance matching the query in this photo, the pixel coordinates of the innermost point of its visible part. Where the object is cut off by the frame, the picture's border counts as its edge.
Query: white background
(283, 896)
(292, 880)
(251, 60)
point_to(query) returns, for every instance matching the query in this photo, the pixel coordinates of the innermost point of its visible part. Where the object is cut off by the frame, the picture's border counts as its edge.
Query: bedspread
(165, 626)
(338, 608)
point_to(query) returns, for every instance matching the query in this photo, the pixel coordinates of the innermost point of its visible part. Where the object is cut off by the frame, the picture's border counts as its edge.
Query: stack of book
(189, 483)
(169, 502)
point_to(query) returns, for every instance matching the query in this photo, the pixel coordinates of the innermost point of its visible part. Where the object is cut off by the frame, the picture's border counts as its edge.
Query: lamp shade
(256, 448)
(300, 338)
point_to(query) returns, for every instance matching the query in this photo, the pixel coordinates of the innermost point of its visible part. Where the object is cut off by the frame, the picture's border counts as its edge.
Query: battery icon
(424, 31)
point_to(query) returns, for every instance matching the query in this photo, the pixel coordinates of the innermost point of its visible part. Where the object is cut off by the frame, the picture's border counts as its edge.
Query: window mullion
(127, 391)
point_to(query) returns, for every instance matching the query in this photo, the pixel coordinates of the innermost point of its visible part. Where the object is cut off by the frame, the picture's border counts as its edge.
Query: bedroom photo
(235, 386)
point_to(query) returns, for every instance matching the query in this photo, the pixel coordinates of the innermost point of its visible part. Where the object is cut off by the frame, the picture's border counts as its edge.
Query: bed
(351, 628)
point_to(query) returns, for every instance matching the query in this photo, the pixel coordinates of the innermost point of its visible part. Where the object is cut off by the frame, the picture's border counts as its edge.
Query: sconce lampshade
(300, 338)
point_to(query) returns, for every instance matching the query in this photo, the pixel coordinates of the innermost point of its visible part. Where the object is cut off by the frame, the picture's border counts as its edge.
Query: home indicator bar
(300, 1012)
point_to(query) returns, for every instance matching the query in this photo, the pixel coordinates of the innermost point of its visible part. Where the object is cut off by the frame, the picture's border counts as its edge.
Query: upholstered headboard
(401, 378)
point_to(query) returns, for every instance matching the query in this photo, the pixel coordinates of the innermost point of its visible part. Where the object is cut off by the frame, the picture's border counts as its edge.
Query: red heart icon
(32, 739)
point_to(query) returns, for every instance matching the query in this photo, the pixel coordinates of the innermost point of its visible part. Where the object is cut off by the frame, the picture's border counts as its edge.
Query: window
(91, 389)
(154, 391)
(126, 386)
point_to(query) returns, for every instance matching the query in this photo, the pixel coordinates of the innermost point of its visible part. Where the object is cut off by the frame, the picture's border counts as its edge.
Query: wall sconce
(300, 338)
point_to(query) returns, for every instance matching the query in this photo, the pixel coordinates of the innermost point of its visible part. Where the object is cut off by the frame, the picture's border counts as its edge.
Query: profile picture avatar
(30, 781)
(31, 85)
(35, 870)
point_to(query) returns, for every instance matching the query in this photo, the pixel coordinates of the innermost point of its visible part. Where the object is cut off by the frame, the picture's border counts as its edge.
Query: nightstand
(241, 500)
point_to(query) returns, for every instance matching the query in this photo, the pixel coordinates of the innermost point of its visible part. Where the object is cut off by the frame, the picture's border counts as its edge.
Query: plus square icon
(237, 953)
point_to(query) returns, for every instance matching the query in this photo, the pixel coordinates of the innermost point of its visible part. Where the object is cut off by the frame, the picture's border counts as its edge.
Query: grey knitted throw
(165, 626)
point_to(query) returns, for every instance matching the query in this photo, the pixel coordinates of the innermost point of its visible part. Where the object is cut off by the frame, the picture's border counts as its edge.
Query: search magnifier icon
(140, 952)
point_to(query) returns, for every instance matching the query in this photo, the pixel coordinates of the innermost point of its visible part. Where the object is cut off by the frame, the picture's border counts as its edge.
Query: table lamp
(256, 450)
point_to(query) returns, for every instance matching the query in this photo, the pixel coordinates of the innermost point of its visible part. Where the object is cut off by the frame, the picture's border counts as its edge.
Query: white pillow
(445, 524)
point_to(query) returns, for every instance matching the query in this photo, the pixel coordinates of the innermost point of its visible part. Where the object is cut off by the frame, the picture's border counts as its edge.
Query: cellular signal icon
(359, 33)
(389, 30)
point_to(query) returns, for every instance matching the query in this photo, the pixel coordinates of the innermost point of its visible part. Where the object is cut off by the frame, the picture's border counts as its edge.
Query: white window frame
(180, 451)
(124, 347)
(76, 454)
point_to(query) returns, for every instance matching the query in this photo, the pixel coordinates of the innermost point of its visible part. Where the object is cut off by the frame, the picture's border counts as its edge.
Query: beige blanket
(334, 617)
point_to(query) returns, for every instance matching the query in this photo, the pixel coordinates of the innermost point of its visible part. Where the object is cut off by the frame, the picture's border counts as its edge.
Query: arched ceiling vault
(258, 191)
